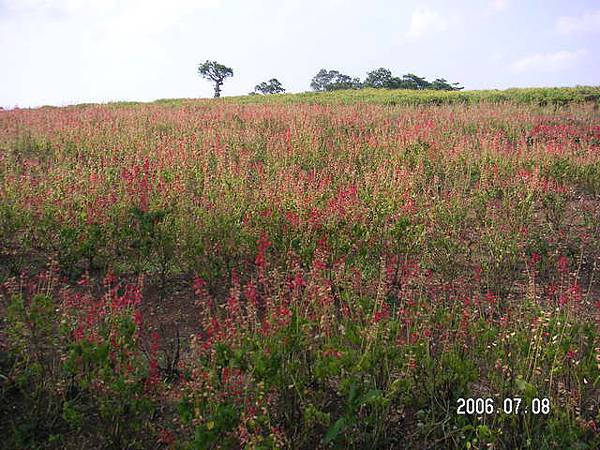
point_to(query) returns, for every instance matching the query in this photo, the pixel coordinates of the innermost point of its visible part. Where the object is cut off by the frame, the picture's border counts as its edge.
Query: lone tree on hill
(213, 71)
(273, 86)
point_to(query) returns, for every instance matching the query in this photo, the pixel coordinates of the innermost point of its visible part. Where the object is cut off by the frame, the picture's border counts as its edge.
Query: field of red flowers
(209, 274)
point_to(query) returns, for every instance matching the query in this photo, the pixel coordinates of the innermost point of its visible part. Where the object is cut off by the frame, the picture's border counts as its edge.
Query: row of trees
(382, 78)
(331, 80)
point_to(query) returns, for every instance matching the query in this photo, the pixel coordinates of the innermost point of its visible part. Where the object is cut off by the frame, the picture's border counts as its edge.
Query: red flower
(109, 279)
(263, 245)
(535, 258)
(199, 284)
(165, 437)
(332, 352)
(490, 297)
(78, 333)
(154, 342)
(85, 280)
(251, 293)
(298, 281)
(563, 264)
(382, 314)
(137, 318)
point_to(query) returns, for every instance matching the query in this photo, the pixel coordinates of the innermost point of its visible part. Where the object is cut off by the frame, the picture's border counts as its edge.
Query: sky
(61, 52)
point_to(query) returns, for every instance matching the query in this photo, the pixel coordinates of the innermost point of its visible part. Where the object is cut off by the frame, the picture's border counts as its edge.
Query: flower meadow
(300, 275)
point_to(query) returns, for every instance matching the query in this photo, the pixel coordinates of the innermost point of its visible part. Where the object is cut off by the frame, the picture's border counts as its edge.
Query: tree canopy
(382, 78)
(330, 80)
(440, 84)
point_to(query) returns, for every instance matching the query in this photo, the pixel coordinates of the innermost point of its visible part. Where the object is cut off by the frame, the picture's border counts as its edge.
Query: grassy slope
(539, 96)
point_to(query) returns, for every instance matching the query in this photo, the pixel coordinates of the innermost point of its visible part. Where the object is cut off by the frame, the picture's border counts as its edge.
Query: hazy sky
(60, 52)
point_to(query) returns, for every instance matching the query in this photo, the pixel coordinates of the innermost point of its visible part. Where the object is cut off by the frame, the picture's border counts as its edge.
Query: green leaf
(337, 427)
(525, 387)
(372, 396)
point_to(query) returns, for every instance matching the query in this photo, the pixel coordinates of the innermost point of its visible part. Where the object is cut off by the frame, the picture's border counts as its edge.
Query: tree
(440, 84)
(213, 71)
(382, 78)
(342, 81)
(416, 82)
(379, 78)
(331, 80)
(401, 83)
(273, 86)
(322, 79)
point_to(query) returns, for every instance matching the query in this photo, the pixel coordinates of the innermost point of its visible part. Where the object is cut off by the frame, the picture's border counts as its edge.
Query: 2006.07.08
(512, 405)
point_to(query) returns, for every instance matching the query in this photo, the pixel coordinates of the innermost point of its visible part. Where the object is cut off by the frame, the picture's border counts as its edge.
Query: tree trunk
(218, 88)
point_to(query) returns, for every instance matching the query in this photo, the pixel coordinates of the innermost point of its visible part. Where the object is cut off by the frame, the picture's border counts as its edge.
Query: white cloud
(548, 62)
(588, 22)
(426, 21)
